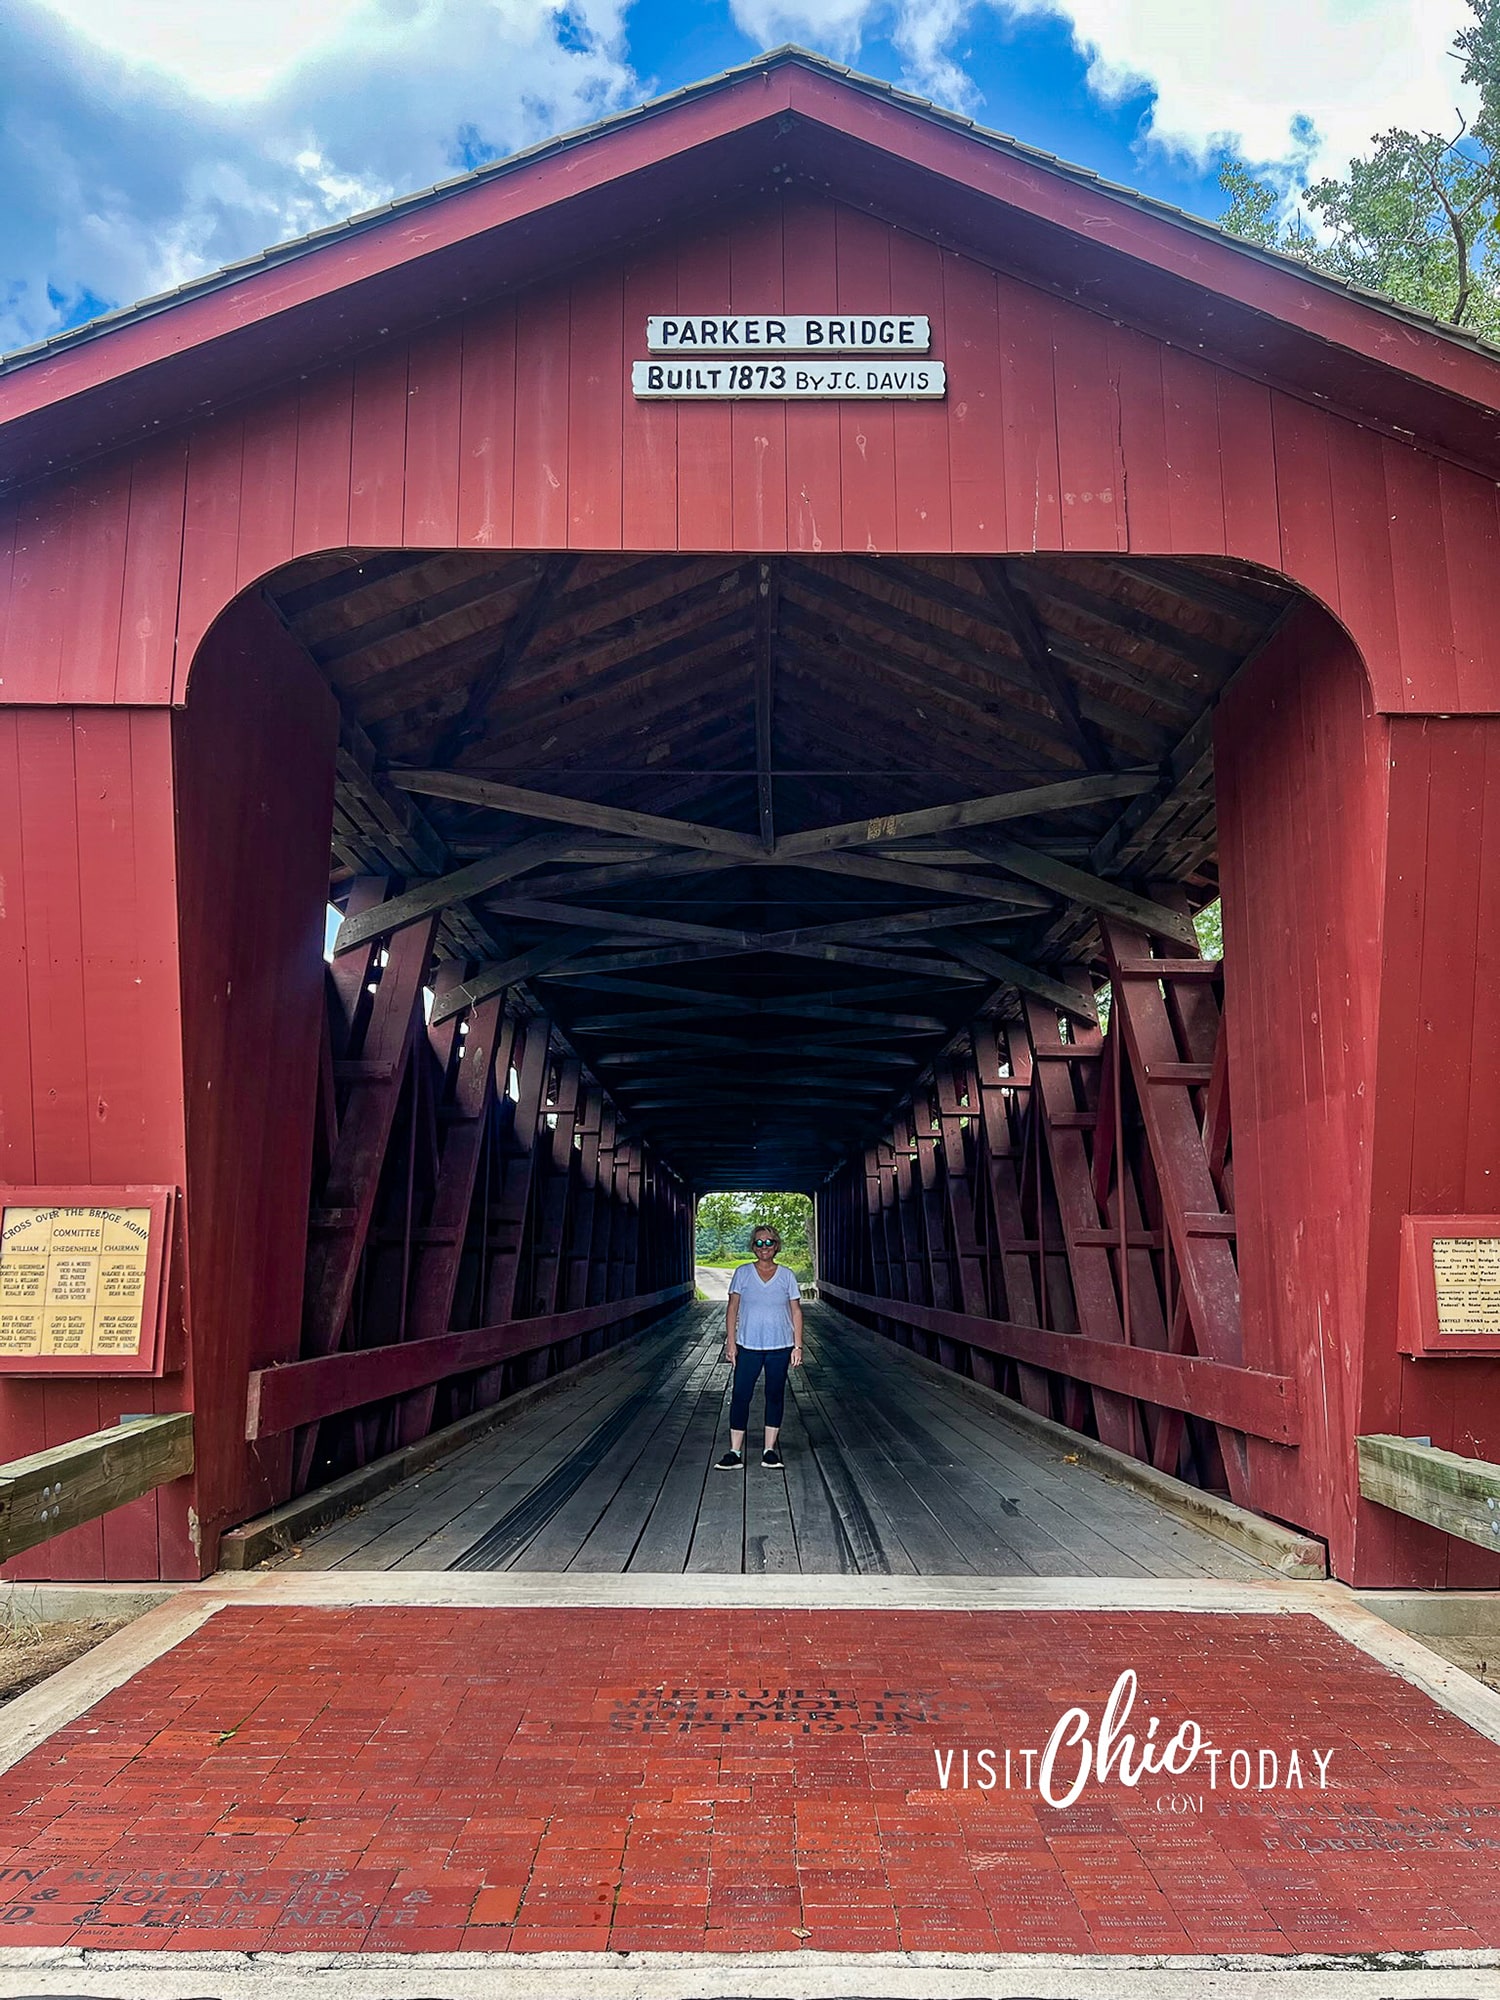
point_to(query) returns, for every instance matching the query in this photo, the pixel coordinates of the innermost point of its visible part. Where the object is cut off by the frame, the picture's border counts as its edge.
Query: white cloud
(832, 27)
(131, 160)
(1254, 76)
(920, 30)
(221, 51)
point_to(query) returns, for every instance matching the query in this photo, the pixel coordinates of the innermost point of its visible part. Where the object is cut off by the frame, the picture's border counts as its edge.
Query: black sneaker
(730, 1462)
(772, 1457)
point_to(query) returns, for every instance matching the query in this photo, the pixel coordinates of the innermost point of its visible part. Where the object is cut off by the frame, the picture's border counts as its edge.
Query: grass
(801, 1272)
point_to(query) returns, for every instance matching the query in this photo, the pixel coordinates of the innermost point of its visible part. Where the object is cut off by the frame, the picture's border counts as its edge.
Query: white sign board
(788, 333)
(788, 381)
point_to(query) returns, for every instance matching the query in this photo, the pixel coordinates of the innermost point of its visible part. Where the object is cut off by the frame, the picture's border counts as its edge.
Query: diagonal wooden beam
(969, 812)
(443, 891)
(710, 839)
(856, 1062)
(825, 996)
(1092, 891)
(935, 881)
(817, 941)
(497, 975)
(625, 922)
(612, 874)
(766, 620)
(519, 634)
(716, 1007)
(1072, 998)
(924, 963)
(1031, 641)
(576, 812)
(884, 927)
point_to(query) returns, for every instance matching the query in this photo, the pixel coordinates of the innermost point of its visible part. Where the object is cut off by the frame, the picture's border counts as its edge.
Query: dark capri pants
(748, 1362)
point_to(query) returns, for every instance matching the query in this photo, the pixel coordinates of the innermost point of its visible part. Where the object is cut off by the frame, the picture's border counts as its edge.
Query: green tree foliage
(1417, 217)
(726, 1223)
(721, 1223)
(1209, 924)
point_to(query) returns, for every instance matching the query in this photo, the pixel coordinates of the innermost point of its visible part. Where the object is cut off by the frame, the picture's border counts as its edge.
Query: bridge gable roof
(787, 119)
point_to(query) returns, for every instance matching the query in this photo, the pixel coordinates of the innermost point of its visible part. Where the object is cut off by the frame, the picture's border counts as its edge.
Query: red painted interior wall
(253, 756)
(1300, 777)
(1365, 1064)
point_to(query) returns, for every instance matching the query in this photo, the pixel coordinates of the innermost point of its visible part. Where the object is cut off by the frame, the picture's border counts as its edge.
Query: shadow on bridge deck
(889, 1471)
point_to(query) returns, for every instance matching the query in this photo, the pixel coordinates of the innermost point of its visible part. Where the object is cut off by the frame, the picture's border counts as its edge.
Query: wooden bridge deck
(888, 1471)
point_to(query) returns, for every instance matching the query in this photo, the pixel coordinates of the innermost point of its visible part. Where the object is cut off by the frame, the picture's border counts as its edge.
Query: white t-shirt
(765, 1307)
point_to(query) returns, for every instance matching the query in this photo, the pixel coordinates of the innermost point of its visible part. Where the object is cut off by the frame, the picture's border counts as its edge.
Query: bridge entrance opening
(874, 880)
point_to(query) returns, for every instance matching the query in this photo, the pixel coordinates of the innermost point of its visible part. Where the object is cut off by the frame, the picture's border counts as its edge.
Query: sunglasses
(764, 1243)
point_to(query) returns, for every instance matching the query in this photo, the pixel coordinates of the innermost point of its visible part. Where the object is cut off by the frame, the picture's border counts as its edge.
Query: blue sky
(145, 141)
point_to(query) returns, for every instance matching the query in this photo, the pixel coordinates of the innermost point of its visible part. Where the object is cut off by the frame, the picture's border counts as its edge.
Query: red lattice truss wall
(1054, 1215)
(479, 1219)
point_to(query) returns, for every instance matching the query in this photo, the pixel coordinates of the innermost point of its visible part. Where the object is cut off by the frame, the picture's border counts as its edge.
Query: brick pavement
(415, 1778)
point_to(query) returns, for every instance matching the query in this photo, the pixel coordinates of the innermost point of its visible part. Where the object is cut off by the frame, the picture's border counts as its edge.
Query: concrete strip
(788, 1591)
(1436, 1611)
(32, 1717)
(1289, 1551)
(26, 1601)
(1449, 1686)
(808, 1975)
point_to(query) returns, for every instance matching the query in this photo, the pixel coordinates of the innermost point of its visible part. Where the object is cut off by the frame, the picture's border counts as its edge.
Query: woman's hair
(765, 1229)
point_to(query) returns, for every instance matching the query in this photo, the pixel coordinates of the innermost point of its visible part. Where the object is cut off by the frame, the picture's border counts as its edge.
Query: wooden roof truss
(762, 834)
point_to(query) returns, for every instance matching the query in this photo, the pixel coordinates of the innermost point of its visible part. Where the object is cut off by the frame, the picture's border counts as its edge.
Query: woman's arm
(732, 1320)
(796, 1310)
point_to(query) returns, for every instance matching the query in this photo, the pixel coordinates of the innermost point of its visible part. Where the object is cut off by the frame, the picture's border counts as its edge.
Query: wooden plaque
(82, 1280)
(1450, 1285)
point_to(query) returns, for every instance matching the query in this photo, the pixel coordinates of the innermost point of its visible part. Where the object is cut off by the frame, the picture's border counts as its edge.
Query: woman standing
(765, 1331)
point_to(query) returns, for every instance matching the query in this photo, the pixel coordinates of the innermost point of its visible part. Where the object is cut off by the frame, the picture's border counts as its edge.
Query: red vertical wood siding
(253, 753)
(90, 1056)
(1436, 1133)
(514, 426)
(1360, 872)
(1302, 812)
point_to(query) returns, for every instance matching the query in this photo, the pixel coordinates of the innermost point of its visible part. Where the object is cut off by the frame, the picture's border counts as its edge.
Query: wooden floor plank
(562, 1535)
(970, 1515)
(890, 1469)
(718, 1543)
(609, 1544)
(668, 1533)
(1112, 1516)
(770, 1543)
(888, 1524)
(517, 1475)
(409, 1514)
(1128, 1523)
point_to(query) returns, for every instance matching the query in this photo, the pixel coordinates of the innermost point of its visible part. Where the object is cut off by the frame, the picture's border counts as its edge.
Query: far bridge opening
(869, 884)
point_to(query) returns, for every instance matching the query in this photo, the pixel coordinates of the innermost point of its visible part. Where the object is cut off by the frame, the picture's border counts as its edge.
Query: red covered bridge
(754, 791)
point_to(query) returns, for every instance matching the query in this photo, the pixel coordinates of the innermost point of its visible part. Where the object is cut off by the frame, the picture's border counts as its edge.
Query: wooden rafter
(766, 618)
(518, 636)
